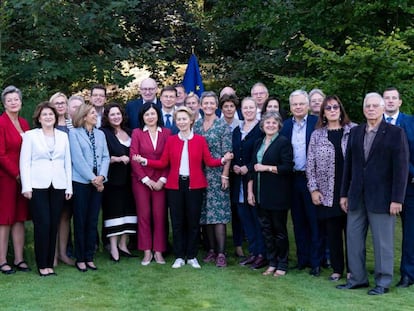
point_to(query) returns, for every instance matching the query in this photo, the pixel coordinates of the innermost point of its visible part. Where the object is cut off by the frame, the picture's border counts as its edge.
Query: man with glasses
(148, 90)
(298, 130)
(372, 193)
(98, 100)
(259, 93)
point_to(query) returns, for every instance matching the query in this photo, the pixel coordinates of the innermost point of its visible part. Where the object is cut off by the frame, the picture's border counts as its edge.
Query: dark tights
(216, 235)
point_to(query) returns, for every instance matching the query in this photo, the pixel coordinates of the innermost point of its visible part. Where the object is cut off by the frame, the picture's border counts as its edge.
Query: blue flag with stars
(192, 77)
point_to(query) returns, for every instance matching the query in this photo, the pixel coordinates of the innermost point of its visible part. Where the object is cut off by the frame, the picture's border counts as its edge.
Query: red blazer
(10, 143)
(141, 144)
(198, 154)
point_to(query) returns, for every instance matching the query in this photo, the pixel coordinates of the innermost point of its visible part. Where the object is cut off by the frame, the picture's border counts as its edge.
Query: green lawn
(130, 286)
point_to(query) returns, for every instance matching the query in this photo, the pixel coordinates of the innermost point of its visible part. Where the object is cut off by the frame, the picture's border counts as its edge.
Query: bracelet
(225, 177)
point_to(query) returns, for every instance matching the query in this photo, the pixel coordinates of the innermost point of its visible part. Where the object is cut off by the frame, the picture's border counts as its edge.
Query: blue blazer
(382, 178)
(132, 110)
(407, 125)
(82, 155)
(310, 126)
(400, 120)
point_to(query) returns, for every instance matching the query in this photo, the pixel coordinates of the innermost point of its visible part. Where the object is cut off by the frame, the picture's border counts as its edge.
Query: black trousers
(45, 208)
(274, 229)
(185, 210)
(336, 234)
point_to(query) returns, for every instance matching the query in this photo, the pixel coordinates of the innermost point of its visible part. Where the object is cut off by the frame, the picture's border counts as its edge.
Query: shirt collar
(146, 129)
(188, 138)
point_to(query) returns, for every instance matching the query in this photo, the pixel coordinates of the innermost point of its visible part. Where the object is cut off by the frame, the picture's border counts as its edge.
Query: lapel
(378, 139)
(84, 136)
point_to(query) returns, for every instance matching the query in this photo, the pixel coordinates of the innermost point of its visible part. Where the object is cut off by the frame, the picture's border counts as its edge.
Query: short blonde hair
(78, 119)
(186, 110)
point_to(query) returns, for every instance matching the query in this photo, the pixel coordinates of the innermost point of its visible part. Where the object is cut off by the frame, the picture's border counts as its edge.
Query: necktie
(388, 119)
(168, 122)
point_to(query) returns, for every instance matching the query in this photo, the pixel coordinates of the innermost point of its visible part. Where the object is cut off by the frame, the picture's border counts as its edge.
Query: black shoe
(113, 259)
(19, 266)
(9, 271)
(405, 282)
(90, 267)
(315, 271)
(80, 269)
(42, 274)
(378, 290)
(352, 286)
(125, 254)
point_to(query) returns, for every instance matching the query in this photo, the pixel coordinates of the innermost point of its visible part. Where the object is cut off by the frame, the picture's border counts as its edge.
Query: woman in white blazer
(89, 172)
(46, 175)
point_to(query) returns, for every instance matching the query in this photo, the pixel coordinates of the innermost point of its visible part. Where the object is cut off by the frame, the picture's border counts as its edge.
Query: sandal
(19, 266)
(269, 271)
(279, 273)
(9, 271)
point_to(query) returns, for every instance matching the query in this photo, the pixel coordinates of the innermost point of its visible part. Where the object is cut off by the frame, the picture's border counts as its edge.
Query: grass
(130, 286)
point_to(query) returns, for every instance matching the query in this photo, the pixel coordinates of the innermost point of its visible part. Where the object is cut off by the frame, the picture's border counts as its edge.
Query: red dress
(13, 206)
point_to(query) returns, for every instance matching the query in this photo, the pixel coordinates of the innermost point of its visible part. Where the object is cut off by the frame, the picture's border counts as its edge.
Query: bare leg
(123, 242)
(17, 231)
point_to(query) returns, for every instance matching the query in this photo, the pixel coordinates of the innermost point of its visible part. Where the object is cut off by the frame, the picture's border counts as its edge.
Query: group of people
(209, 160)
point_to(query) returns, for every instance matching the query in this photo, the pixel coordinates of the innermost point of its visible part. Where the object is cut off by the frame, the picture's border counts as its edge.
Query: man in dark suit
(148, 90)
(393, 103)
(373, 189)
(168, 99)
(407, 215)
(298, 130)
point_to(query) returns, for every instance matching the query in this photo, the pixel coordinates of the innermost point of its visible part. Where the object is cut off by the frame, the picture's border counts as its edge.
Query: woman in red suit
(148, 184)
(13, 207)
(185, 154)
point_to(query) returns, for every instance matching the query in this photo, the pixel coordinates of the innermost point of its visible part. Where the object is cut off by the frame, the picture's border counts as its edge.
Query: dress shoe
(315, 271)
(147, 261)
(159, 259)
(378, 290)
(113, 258)
(42, 274)
(405, 282)
(125, 254)
(352, 286)
(249, 260)
(259, 263)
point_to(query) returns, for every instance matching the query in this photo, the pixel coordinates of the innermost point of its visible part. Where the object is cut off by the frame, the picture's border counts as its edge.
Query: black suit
(272, 192)
(371, 185)
(132, 110)
(304, 214)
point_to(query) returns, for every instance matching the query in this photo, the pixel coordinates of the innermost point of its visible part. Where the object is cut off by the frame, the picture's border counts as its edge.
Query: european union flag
(192, 77)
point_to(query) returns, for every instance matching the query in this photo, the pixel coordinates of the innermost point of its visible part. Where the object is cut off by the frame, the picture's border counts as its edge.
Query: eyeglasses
(60, 104)
(298, 104)
(259, 93)
(147, 89)
(369, 106)
(334, 107)
(99, 95)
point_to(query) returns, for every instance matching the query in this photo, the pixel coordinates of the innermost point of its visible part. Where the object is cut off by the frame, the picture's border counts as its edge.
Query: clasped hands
(98, 183)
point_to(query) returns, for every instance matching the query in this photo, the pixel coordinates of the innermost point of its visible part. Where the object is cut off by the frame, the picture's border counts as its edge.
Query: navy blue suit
(401, 119)
(132, 110)
(304, 213)
(407, 216)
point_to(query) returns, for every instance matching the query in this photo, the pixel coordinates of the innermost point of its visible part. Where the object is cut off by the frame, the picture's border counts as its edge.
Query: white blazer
(40, 168)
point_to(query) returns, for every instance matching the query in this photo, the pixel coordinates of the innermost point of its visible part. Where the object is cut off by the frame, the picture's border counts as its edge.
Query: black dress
(119, 213)
(335, 137)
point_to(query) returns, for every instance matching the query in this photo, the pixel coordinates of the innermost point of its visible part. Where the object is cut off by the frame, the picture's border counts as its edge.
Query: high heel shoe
(125, 254)
(79, 268)
(113, 259)
(146, 262)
